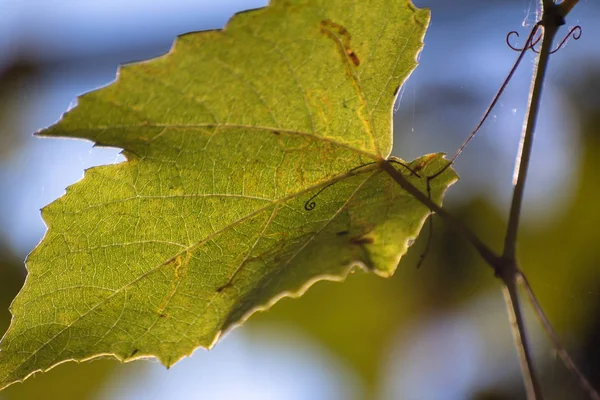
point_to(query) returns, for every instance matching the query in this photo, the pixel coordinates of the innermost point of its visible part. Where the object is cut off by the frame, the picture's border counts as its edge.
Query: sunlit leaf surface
(252, 173)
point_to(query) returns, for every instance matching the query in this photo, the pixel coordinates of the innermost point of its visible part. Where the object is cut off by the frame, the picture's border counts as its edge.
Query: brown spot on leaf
(423, 162)
(353, 57)
(342, 39)
(221, 288)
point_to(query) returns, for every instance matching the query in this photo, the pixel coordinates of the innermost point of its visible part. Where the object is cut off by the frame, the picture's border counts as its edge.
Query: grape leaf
(251, 173)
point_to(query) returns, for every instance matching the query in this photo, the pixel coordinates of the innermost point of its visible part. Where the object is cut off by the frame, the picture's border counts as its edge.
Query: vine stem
(560, 349)
(553, 17)
(508, 270)
(517, 324)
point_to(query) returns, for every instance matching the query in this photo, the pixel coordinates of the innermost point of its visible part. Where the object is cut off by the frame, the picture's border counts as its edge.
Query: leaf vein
(191, 248)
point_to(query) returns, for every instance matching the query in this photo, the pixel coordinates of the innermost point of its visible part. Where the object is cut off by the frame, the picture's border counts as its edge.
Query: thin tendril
(430, 235)
(311, 204)
(574, 33)
(515, 48)
(527, 46)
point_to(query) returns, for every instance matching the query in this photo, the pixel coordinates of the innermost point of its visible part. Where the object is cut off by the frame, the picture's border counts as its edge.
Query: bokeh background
(437, 332)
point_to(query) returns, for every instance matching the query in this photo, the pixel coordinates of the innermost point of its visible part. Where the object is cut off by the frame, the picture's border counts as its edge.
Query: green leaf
(252, 173)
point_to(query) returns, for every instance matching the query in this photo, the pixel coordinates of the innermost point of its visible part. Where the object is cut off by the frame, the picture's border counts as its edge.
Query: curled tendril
(529, 45)
(574, 33)
(311, 204)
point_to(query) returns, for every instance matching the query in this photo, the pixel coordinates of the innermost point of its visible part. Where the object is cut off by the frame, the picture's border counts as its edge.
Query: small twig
(566, 6)
(558, 347)
(517, 323)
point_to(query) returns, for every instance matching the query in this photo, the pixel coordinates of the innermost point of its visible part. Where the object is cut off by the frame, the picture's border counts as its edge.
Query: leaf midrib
(211, 125)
